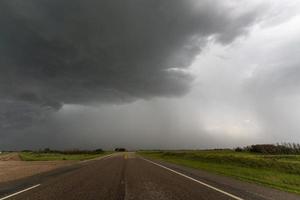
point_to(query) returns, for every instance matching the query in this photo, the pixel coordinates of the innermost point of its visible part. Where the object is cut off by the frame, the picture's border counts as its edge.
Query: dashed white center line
(14, 194)
(200, 182)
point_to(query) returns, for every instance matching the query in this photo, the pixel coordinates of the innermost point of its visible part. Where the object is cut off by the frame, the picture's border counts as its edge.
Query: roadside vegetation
(256, 163)
(51, 155)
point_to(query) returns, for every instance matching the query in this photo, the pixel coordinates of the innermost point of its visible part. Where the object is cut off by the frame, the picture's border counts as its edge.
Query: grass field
(33, 156)
(277, 171)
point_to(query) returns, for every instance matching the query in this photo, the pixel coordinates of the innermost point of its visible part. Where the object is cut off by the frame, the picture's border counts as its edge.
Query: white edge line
(14, 194)
(200, 182)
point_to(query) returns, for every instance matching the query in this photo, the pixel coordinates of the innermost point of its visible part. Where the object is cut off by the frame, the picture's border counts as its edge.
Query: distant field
(278, 171)
(33, 156)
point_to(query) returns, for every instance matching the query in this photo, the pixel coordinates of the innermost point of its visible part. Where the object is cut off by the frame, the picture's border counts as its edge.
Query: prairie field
(36, 156)
(277, 171)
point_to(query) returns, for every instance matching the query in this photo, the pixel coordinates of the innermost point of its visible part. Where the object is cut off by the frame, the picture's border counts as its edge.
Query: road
(127, 176)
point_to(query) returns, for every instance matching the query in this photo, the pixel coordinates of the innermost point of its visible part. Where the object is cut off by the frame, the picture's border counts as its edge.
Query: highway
(126, 176)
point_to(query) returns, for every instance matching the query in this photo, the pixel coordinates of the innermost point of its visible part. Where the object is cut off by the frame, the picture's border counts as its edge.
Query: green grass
(33, 156)
(277, 171)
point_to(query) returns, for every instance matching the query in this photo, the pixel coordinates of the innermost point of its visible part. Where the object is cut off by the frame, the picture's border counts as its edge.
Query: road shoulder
(240, 188)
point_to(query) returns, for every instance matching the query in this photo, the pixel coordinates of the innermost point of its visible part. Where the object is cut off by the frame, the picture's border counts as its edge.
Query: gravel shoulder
(12, 168)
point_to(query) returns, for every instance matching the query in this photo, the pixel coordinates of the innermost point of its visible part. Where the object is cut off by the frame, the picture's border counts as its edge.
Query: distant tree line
(120, 149)
(69, 152)
(282, 148)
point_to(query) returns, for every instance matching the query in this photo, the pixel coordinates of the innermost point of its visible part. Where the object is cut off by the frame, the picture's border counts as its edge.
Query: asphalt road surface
(127, 176)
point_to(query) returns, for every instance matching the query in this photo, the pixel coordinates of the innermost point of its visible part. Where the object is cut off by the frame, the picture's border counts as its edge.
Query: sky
(142, 74)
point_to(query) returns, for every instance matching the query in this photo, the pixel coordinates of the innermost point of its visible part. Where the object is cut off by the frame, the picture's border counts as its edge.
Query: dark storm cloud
(55, 52)
(81, 52)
